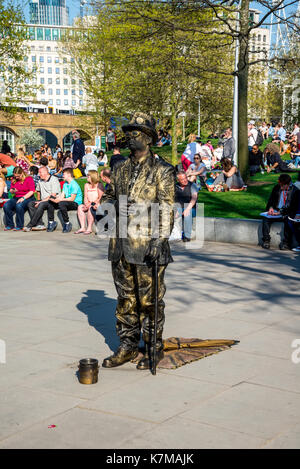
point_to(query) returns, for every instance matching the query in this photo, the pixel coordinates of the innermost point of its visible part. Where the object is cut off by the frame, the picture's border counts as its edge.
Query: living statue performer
(144, 180)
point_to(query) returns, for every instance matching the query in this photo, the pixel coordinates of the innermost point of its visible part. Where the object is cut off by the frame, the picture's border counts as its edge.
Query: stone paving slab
(57, 305)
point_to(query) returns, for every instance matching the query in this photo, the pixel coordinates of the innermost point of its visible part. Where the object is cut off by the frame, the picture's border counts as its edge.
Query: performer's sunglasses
(133, 133)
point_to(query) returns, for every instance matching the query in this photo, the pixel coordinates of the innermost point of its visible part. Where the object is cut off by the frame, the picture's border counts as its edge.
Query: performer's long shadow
(100, 311)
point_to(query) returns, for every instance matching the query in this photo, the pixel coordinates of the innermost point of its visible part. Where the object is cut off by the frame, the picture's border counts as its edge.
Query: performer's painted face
(137, 141)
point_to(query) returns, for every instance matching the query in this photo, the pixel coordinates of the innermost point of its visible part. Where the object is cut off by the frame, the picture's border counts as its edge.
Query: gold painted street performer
(143, 181)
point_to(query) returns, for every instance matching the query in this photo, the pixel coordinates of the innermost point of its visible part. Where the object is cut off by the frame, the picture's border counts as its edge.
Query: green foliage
(12, 52)
(31, 138)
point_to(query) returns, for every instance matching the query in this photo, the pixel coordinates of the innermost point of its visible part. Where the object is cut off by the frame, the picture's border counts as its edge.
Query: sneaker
(39, 228)
(8, 228)
(17, 229)
(266, 245)
(67, 227)
(51, 226)
(297, 249)
(27, 228)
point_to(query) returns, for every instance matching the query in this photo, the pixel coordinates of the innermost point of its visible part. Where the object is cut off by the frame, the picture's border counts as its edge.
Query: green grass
(244, 204)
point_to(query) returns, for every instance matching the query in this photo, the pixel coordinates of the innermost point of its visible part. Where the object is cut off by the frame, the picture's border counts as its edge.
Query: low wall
(223, 230)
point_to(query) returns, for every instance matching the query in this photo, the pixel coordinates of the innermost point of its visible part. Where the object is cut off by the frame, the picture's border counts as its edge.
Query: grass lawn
(244, 204)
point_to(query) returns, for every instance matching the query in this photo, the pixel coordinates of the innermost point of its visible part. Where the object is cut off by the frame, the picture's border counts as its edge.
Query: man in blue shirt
(70, 199)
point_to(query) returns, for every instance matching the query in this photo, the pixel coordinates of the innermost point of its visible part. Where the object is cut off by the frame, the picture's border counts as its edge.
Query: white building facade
(57, 87)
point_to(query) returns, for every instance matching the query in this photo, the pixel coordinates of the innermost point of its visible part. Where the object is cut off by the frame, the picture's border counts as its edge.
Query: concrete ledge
(222, 230)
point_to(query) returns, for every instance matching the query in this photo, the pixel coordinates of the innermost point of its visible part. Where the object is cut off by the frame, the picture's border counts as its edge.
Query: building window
(65, 71)
(73, 102)
(48, 36)
(73, 92)
(58, 92)
(50, 91)
(41, 59)
(80, 102)
(33, 58)
(42, 91)
(73, 81)
(48, 47)
(58, 102)
(80, 92)
(57, 70)
(42, 81)
(50, 101)
(265, 38)
(80, 82)
(26, 80)
(57, 81)
(25, 58)
(57, 60)
(42, 70)
(66, 92)
(49, 69)
(65, 60)
(66, 102)
(72, 60)
(49, 81)
(39, 34)
(259, 37)
(49, 60)
(65, 81)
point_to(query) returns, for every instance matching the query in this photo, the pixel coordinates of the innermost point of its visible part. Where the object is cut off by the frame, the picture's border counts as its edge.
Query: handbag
(77, 173)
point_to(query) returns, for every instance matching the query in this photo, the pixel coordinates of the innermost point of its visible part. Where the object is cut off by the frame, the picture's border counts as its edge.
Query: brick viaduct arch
(58, 124)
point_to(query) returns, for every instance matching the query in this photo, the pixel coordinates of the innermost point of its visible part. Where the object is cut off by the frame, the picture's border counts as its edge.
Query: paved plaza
(57, 303)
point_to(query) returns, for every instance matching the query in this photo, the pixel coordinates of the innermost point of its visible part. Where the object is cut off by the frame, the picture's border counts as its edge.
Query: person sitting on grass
(23, 188)
(93, 192)
(48, 188)
(70, 198)
(230, 176)
(256, 162)
(102, 158)
(89, 161)
(196, 172)
(282, 202)
(274, 162)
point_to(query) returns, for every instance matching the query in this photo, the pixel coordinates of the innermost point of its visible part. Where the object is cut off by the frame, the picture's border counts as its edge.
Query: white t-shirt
(91, 162)
(191, 150)
(218, 153)
(205, 152)
(253, 137)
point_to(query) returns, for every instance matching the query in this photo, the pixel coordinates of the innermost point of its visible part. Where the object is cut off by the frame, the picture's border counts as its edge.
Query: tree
(12, 51)
(31, 138)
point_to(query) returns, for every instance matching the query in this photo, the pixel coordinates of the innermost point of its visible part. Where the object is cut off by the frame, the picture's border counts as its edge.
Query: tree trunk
(243, 90)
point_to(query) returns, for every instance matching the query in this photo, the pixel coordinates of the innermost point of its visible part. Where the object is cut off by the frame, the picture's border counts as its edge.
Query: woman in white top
(3, 187)
(102, 158)
(193, 147)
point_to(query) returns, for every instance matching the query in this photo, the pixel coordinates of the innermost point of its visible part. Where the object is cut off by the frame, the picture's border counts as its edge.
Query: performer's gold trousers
(136, 298)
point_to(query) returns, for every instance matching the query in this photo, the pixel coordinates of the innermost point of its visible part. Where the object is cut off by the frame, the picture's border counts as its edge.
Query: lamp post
(235, 93)
(199, 115)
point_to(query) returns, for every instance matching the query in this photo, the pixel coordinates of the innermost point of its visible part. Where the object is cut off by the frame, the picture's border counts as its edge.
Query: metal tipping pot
(88, 369)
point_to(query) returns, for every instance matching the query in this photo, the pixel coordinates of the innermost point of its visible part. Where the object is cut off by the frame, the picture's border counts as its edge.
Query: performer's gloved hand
(153, 251)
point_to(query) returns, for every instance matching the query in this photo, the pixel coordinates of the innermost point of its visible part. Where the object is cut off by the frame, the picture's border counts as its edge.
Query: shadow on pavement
(100, 311)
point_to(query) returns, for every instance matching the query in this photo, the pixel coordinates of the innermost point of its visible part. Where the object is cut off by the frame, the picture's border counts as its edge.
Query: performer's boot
(146, 362)
(122, 355)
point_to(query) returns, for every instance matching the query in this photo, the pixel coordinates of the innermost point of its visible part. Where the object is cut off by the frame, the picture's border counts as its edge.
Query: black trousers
(266, 226)
(65, 206)
(36, 213)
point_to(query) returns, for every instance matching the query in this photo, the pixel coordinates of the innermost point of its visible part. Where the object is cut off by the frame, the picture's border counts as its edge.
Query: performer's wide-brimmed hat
(144, 123)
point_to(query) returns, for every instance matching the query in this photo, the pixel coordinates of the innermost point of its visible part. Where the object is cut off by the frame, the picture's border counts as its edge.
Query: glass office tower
(51, 12)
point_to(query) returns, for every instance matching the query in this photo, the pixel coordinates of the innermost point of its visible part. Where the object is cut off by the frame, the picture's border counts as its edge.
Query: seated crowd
(45, 182)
